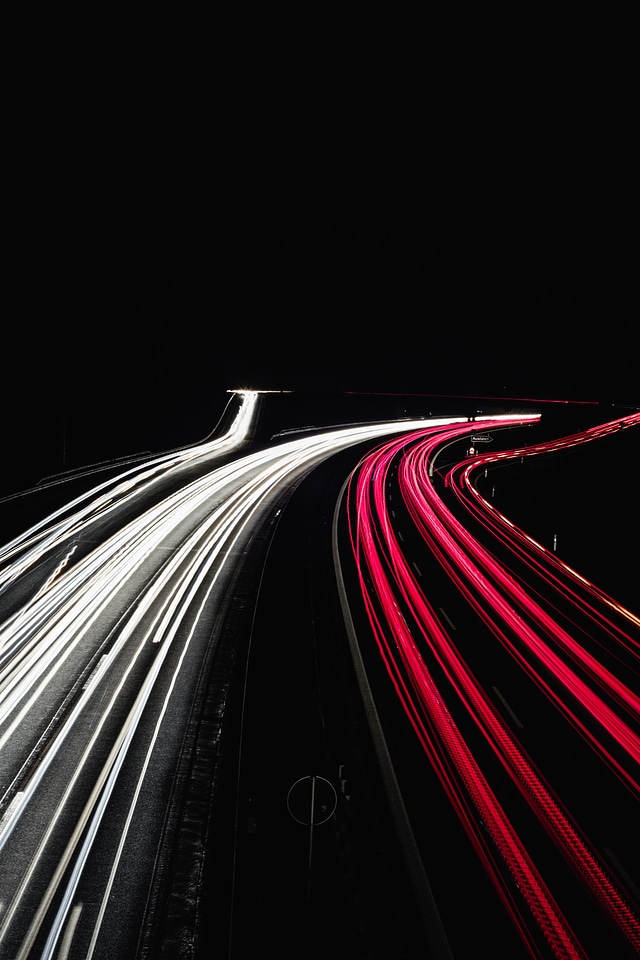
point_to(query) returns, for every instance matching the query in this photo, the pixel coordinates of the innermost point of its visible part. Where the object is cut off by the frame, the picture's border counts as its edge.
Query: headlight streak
(385, 577)
(69, 609)
(57, 926)
(67, 614)
(113, 493)
(170, 622)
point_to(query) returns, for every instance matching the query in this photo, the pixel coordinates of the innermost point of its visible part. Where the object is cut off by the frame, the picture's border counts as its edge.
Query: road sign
(312, 801)
(482, 438)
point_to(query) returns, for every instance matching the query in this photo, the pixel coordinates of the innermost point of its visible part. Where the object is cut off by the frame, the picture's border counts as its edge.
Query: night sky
(437, 233)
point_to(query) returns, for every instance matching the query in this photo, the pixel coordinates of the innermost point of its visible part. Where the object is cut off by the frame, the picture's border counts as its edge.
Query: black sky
(384, 224)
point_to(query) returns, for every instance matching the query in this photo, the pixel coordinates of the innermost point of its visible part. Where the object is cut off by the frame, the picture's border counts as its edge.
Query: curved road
(111, 605)
(553, 848)
(158, 638)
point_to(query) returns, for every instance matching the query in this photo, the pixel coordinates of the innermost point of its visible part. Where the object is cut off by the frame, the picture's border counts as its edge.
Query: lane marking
(9, 811)
(70, 929)
(447, 618)
(508, 708)
(94, 671)
(623, 873)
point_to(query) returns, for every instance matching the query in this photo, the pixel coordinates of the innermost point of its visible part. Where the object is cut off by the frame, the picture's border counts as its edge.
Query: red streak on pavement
(545, 650)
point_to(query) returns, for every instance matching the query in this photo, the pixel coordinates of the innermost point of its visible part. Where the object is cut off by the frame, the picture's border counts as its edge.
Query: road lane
(441, 695)
(108, 626)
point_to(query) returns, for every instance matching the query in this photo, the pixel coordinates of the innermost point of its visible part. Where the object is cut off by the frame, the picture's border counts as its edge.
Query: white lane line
(70, 929)
(12, 806)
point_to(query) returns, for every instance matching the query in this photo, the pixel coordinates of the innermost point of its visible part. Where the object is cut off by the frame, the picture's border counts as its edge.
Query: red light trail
(408, 633)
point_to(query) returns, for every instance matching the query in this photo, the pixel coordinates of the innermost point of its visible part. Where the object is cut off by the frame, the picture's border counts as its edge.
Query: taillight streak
(388, 586)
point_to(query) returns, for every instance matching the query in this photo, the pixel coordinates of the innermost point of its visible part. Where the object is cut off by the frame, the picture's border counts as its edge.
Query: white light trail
(135, 590)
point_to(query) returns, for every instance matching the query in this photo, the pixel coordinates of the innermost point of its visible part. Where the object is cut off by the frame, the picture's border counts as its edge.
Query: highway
(109, 614)
(171, 665)
(525, 704)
